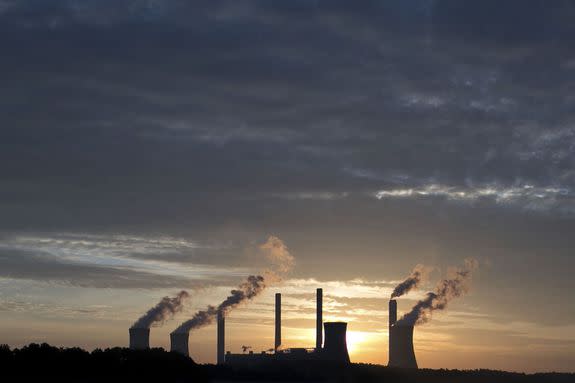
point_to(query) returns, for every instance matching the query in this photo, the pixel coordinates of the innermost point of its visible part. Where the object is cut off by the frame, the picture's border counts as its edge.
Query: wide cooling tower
(401, 352)
(335, 345)
(179, 342)
(139, 338)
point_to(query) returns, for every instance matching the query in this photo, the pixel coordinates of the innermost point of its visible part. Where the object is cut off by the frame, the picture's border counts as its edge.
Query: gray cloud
(122, 261)
(466, 116)
(52, 308)
(151, 248)
(40, 266)
(542, 199)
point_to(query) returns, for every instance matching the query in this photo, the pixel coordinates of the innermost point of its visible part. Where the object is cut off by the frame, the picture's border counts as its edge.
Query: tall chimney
(335, 347)
(221, 323)
(278, 339)
(179, 342)
(139, 338)
(392, 312)
(319, 319)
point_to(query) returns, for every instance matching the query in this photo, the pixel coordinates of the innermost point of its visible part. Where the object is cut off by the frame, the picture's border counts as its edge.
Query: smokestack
(221, 324)
(139, 338)
(278, 339)
(179, 343)
(319, 319)
(392, 312)
(335, 347)
(401, 353)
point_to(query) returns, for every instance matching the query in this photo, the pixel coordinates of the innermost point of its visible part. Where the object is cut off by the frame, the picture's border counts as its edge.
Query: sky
(149, 146)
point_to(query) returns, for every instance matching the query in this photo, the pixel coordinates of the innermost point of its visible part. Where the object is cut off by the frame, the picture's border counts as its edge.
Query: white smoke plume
(282, 262)
(164, 310)
(249, 289)
(278, 254)
(456, 285)
(418, 275)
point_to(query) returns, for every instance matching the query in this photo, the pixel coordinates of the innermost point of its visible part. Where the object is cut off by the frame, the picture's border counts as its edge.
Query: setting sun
(355, 339)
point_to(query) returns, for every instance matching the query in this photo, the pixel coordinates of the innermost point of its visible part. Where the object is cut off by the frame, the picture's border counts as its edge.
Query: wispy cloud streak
(527, 196)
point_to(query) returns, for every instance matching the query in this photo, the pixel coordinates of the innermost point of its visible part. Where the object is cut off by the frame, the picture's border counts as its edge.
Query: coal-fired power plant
(139, 338)
(401, 353)
(330, 337)
(330, 342)
(179, 342)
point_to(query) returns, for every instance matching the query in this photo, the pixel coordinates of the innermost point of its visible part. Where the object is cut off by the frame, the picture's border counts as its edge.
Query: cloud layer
(394, 94)
(111, 261)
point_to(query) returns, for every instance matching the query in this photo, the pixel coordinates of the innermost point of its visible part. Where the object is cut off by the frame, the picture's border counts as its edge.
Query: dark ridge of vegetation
(44, 362)
(318, 371)
(38, 361)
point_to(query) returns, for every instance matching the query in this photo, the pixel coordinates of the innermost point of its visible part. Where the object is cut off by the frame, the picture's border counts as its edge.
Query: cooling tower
(278, 322)
(335, 345)
(179, 342)
(221, 325)
(139, 338)
(319, 319)
(401, 353)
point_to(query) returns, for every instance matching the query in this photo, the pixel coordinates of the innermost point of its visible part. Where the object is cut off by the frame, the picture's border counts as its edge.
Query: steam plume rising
(246, 291)
(278, 255)
(456, 285)
(282, 262)
(418, 274)
(164, 310)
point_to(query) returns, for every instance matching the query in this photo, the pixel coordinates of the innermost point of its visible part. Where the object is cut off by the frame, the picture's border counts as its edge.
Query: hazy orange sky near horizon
(465, 335)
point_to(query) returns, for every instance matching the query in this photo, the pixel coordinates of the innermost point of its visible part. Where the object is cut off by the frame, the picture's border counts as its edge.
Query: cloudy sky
(148, 146)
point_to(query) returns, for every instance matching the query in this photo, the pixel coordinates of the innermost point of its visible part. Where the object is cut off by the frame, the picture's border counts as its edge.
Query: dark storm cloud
(154, 108)
(40, 266)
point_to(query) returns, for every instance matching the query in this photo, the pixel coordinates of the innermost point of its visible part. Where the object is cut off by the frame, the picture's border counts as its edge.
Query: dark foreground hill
(43, 363)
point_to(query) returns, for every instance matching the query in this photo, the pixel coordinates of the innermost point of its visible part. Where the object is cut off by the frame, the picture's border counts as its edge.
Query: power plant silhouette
(332, 347)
